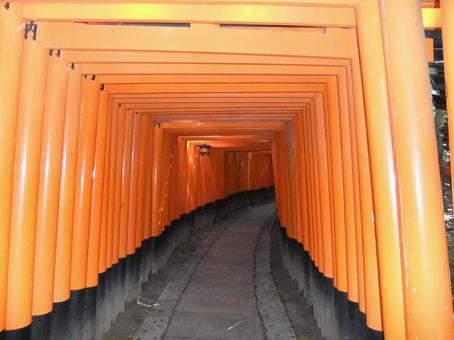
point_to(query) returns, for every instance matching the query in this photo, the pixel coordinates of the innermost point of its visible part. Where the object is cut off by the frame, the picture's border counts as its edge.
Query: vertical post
(310, 208)
(447, 14)
(144, 133)
(339, 235)
(147, 220)
(125, 187)
(382, 168)
(97, 191)
(105, 194)
(348, 190)
(49, 184)
(118, 184)
(322, 151)
(84, 181)
(25, 184)
(302, 174)
(112, 175)
(426, 278)
(316, 185)
(11, 40)
(132, 216)
(62, 275)
(157, 153)
(369, 241)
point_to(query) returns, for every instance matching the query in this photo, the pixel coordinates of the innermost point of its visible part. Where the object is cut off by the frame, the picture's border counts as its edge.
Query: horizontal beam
(325, 3)
(263, 14)
(213, 100)
(128, 71)
(96, 56)
(213, 88)
(158, 106)
(223, 95)
(201, 38)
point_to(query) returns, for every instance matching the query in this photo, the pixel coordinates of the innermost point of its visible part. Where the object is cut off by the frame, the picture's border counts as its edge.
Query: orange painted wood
(62, 275)
(26, 185)
(10, 66)
(96, 212)
(84, 181)
(49, 185)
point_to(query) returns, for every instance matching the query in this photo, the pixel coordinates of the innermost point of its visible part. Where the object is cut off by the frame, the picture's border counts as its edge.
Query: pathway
(215, 297)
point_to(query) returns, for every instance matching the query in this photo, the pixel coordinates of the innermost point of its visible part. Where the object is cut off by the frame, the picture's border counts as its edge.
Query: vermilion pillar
(105, 195)
(447, 12)
(10, 62)
(26, 183)
(134, 188)
(126, 183)
(147, 219)
(84, 181)
(62, 275)
(324, 189)
(303, 238)
(157, 153)
(382, 168)
(348, 192)
(426, 278)
(368, 239)
(97, 192)
(308, 198)
(144, 133)
(49, 184)
(118, 184)
(112, 175)
(339, 235)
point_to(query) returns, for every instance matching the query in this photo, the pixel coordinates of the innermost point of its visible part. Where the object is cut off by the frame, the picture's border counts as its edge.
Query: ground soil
(300, 314)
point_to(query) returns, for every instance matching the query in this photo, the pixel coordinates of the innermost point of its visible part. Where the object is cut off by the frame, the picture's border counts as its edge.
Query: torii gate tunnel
(118, 120)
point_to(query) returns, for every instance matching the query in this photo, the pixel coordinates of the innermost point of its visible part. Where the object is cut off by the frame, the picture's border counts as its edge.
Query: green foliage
(441, 120)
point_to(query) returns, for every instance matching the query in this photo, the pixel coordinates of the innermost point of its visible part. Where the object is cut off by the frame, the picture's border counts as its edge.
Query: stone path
(214, 295)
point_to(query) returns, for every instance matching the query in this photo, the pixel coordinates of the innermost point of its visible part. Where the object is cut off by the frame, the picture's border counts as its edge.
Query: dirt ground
(300, 314)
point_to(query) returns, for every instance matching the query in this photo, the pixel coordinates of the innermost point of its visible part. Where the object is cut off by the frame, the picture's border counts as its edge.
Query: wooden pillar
(322, 154)
(382, 168)
(118, 184)
(147, 219)
(11, 42)
(105, 194)
(368, 239)
(144, 134)
(424, 257)
(84, 181)
(112, 180)
(125, 187)
(26, 183)
(134, 189)
(317, 204)
(62, 275)
(157, 156)
(339, 234)
(299, 141)
(97, 192)
(49, 184)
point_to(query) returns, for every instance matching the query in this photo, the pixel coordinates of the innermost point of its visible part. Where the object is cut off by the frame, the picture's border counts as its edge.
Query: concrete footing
(89, 313)
(337, 317)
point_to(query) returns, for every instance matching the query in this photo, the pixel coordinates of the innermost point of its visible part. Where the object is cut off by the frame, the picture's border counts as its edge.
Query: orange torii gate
(350, 133)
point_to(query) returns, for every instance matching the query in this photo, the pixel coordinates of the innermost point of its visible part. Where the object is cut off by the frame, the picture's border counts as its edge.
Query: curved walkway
(225, 290)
